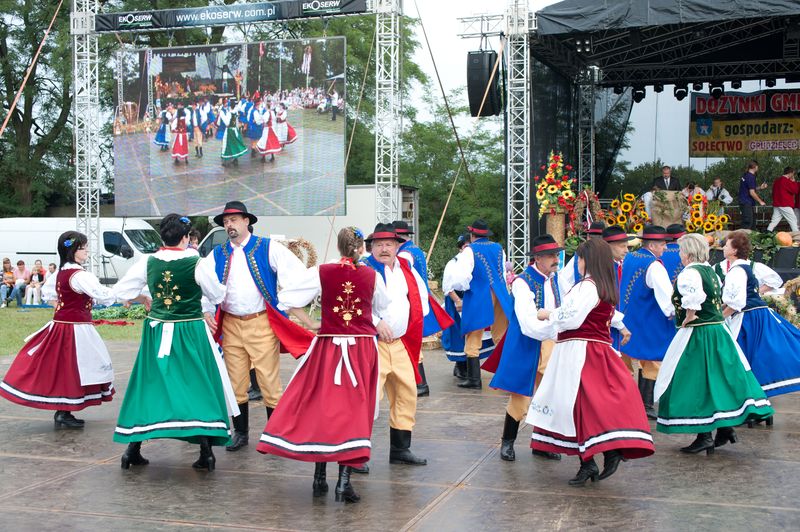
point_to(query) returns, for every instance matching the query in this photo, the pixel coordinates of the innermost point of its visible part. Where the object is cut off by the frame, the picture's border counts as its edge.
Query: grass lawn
(16, 324)
(322, 122)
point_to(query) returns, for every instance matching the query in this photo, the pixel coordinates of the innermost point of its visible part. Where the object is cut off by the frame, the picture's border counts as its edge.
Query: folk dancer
(586, 403)
(705, 381)
(180, 123)
(480, 273)
(65, 366)
(283, 129)
(646, 302)
(569, 275)
(268, 143)
(250, 321)
(233, 146)
(520, 359)
(437, 319)
(671, 257)
(162, 138)
(197, 123)
(327, 411)
(179, 388)
(399, 345)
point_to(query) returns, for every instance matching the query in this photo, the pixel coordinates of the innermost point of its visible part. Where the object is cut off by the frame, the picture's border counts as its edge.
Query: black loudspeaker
(479, 71)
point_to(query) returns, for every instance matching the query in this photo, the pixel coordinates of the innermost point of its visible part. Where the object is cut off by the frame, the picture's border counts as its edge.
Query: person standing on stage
(784, 190)
(646, 302)
(748, 196)
(480, 273)
(399, 348)
(179, 388)
(705, 383)
(671, 257)
(327, 411)
(568, 275)
(520, 359)
(65, 366)
(586, 403)
(250, 319)
(437, 319)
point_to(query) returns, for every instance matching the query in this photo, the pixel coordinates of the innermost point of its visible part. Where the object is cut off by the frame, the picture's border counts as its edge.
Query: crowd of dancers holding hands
(564, 343)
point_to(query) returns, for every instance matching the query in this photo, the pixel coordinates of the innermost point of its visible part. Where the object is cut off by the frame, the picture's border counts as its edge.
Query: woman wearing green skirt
(705, 382)
(179, 387)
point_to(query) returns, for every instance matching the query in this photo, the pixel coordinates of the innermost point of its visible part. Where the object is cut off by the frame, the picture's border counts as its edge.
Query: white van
(123, 241)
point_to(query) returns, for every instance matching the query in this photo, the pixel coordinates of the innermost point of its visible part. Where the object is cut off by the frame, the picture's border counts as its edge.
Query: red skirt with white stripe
(608, 413)
(318, 420)
(49, 379)
(180, 148)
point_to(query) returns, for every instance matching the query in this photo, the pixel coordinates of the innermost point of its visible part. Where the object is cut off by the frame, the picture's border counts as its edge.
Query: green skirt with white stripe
(176, 394)
(711, 386)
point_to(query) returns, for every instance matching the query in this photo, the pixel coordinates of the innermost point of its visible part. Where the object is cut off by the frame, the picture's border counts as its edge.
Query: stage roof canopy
(643, 42)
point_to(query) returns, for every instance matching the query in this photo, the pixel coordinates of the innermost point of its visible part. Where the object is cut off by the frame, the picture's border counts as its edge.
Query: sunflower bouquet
(628, 212)
(702, 215)
(554, 191)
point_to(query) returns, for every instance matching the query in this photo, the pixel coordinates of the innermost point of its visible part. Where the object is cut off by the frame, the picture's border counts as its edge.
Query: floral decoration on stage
(702, 215)
(554, 191)
(628, 212)
(587, 210)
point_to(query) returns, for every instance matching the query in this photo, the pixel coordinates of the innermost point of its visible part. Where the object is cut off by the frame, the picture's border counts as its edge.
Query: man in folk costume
(480, 273)
(399, 352)
(254, 128)
(569, 274)
(646, 302)
(520, 359)
(437, 319)
(616, 237)
(671, 257)
(197, 124)
(250, 322)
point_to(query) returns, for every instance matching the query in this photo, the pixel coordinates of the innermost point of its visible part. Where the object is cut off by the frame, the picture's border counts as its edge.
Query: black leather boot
(422, 388)
(362, 469)
(344, 490)
(133, 456)
(724, 435)
(546, 454)
(400, 448)
(588, 470)
(460, 370)
(647, 397)
(201, 152)
(320, 485)
(611, 460)
(473, 379)
(65, 420)
(270, 410)
(254, 393)
(241, 429)
(703, 442)
(510, 430)
(207, 459)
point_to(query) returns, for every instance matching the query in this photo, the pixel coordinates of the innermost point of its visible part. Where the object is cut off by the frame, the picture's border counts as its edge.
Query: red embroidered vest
(596, 326)
(71, 306)
(347, 299)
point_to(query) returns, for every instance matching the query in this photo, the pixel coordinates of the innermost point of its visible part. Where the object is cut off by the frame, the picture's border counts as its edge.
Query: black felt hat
(235, 207)
(479, 228)
(545, 245)
(615, 233)
(596, 228)
(655, 232)
(402, 228)
(676, 231)
(383, 232)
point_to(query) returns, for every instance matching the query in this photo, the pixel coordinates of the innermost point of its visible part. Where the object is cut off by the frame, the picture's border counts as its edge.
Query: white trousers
(786, 213)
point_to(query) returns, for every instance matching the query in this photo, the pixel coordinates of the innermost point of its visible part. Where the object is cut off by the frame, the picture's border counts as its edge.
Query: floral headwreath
(68, 243)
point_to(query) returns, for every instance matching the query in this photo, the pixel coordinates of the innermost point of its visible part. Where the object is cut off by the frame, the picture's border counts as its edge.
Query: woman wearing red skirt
(327, 411)
(65, 366)
(587, 403)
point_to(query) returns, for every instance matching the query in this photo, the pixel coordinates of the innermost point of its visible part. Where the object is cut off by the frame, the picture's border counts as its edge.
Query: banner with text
(739, 124)
(225, 15)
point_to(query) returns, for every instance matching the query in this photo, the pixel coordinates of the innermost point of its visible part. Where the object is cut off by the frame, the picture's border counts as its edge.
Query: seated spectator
(23, 277)
(691, 189)
(194, 239)
(8, 289)
(784, 190)
(51, 269)
(33, 295)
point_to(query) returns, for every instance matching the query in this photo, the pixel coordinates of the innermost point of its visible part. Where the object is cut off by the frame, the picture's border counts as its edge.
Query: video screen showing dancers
(259, 121)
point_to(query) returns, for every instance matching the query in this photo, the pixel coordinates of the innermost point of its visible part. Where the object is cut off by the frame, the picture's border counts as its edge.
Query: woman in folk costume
(268, 143)
(233, 145)
(162, 138)
(179, 387)
(65, 366)
(770, 342)
(283, 129)
(180, 148)
(222, 120)
(587, 402)
(327, 410)
(705, 382)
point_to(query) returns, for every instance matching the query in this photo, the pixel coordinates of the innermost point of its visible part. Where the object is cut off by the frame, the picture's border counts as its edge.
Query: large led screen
(258, 122)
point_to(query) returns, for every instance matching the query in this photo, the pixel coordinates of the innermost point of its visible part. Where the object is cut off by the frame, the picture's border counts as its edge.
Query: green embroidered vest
(711, 309)
(176, 294)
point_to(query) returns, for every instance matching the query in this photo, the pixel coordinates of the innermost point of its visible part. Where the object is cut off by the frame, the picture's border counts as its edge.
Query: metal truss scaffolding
(387, 109)
(518, 130)
(86, 115)
(586, 106)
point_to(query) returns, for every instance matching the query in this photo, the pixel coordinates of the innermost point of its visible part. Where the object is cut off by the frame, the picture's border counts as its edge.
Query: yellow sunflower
(626, 207)
(637, 228)
(719, 227)
(697, 197)
(552, 189)
(708, 227)
(712, 218)
(615, 204)
(689, 226)
(568, 194)
(696, 216)
(628, 197)
(723, 219)
(622, 219)
(540, 194)
(611, 220)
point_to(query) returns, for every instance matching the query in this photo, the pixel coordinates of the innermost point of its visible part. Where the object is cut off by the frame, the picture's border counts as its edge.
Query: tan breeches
(649, 367)
(397, 378)
(474, 339)
(246, 342)
(198, 137)
(517, 406)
